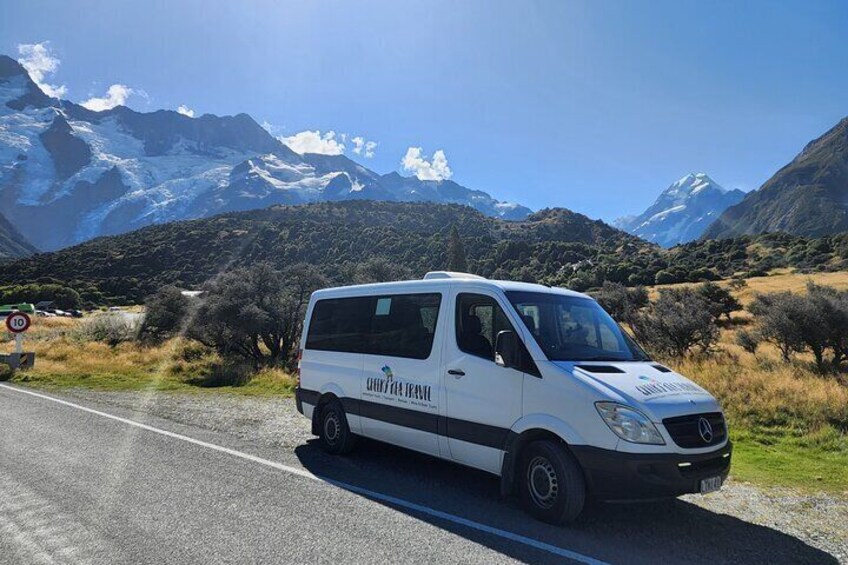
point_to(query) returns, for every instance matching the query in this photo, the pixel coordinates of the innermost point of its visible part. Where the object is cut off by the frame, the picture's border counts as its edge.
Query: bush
(816, 322)
(720, 301)
(65, 298)
(665, 277)
(164, 315)
(256, 313)
(677, 322)
(780, 319)
(747, 341)
(111, 329)
(621, 302)
(376, 269)
(6, 372)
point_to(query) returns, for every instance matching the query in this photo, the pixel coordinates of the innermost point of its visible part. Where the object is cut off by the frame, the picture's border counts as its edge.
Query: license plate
(710, 485)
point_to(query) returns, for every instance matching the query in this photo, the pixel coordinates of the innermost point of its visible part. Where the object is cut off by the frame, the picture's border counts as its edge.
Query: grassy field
(64, 358)
(789, 424)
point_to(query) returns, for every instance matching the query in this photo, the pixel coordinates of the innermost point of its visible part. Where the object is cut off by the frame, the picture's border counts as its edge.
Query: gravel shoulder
(818, 520)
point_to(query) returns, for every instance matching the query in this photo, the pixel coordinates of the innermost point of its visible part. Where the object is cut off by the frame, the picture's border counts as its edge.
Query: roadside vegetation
(775, 355)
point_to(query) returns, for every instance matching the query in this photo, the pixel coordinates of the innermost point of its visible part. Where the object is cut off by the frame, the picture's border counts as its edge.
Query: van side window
(340, 324)
(400, 325)
(479, 318)
(403, 325)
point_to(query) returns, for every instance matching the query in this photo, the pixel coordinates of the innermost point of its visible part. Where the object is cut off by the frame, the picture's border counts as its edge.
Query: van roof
(436, 282)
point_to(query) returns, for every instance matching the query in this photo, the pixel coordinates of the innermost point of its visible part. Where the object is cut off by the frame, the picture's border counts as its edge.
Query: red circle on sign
(17, 322)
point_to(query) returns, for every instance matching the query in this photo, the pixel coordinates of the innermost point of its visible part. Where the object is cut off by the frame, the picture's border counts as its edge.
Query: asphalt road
(81, 484)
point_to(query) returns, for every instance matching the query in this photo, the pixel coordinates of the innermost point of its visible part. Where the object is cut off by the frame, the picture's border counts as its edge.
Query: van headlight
(629, 424)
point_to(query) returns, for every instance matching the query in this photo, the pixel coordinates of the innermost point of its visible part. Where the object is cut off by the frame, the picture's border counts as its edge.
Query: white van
(535, 384)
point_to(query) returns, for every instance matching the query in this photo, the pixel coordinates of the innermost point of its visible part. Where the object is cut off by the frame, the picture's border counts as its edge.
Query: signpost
(18, 323)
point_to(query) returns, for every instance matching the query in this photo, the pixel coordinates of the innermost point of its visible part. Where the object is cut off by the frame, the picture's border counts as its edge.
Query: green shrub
(111, 329)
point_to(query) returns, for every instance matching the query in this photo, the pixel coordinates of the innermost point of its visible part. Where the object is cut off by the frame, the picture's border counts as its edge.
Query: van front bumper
(616, 475)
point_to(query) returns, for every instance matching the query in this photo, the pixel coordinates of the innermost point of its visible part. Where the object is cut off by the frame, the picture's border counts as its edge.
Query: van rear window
(399, 325)
(340, 324)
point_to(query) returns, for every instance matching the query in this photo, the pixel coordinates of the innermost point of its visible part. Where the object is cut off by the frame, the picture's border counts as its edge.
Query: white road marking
(530, 542)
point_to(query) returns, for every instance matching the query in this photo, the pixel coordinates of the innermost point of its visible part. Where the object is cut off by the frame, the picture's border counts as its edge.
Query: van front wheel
(334, 433)
(551, 483)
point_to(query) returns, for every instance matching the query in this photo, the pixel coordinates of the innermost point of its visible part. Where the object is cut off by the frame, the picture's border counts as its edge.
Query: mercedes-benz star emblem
(705, 429)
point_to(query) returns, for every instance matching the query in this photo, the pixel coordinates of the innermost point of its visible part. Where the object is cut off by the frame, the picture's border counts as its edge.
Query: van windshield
(572, 328)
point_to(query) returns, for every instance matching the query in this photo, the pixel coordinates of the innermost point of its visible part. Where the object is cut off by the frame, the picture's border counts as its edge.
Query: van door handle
(456, 372)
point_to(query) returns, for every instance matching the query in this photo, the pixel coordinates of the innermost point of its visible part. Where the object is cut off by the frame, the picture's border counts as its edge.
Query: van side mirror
(507, 348)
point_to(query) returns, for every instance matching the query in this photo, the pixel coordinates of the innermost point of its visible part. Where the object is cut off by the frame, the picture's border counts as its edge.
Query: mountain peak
(9, 67)
(682, 211)
(693, 183)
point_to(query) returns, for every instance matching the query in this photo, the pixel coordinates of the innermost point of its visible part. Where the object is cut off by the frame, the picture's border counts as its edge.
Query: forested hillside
(554, 246)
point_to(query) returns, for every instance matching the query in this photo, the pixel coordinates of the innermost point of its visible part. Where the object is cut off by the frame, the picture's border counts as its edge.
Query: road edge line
(491, 530)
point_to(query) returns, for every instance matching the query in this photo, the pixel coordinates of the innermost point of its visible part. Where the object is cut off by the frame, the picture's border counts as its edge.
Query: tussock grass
(789, 424)
(66, 357)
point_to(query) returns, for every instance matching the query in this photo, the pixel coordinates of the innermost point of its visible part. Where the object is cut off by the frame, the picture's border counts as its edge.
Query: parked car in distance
(537, 385)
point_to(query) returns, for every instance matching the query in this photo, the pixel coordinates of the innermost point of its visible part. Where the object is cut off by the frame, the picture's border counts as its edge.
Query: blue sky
(596, 106)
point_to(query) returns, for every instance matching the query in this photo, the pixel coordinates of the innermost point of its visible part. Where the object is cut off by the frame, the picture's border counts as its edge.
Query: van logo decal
(705, 429)
(655, 387)
(388, 372)
(388, 387)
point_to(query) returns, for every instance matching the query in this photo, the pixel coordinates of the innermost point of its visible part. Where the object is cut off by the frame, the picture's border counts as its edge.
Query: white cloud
(40, 62)
(314, 142)
(363, 147)
(185, 111)
(434, 169)
(116, 96)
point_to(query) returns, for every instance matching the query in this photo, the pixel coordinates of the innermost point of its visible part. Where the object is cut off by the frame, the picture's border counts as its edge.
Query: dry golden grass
(64, 358)
(777, 281)
(765, 391)
(789, 424)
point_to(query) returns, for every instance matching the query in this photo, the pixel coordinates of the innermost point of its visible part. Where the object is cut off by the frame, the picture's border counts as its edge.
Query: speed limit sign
(17, 322)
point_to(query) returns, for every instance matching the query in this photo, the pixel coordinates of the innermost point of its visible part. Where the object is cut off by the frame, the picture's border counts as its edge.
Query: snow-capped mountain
(68, 174)
(682, 212)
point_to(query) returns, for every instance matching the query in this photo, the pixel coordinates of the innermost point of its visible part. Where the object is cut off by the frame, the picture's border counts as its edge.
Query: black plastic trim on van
(599, 368)
(616, 475)
(463, 430)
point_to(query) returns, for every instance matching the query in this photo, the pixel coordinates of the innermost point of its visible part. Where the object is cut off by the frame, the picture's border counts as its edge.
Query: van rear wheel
(334, 432)
(551, 484)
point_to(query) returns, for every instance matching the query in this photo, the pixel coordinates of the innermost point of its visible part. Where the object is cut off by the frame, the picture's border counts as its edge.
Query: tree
(456, 252)
(830, 308)
(256, 313)
(677, 322)
(66, 298)
(815, 322)
(165, 315)
(780, 320)
(377, 269)
(720, 301)
(620, 302)
(748, 341)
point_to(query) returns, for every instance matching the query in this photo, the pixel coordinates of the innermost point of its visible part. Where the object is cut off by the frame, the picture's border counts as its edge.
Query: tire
(551, 484)
(333, 431)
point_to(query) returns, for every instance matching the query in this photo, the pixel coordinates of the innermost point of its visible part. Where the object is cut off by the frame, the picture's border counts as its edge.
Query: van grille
(685, 430)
